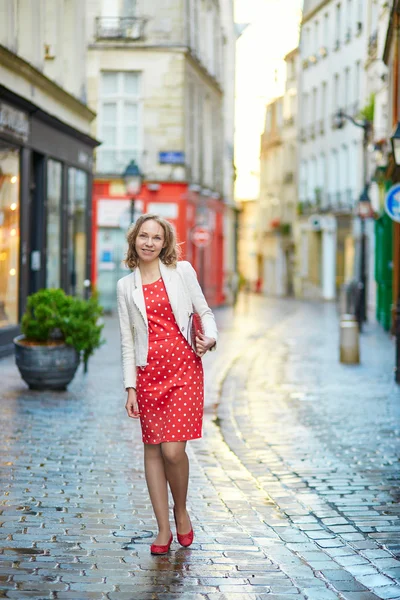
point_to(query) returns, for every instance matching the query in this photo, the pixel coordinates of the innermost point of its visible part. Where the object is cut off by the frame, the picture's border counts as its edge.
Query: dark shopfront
(45, 208)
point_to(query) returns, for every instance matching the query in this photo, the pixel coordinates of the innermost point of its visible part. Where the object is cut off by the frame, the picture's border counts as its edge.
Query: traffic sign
(392, 203)
(200, 236)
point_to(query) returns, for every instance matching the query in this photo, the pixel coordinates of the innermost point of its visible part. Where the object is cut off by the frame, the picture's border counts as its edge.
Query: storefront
(45, 208)
(183, 207)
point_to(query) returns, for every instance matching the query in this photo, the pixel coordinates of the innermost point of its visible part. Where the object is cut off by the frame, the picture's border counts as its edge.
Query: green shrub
(51, 314)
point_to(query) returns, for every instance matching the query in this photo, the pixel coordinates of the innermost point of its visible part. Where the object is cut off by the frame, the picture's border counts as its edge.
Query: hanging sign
(392, 203)
(200, 236)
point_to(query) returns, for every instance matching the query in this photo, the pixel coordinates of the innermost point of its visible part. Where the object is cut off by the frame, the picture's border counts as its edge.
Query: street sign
(392, 203)
(200, 236)
(171, 158)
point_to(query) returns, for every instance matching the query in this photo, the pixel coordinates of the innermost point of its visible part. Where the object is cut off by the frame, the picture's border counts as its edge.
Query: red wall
(208, 261)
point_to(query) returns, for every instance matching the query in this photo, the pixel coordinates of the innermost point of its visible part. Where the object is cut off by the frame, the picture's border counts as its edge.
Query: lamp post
(395, 140)
(363, 211)
(133, 184)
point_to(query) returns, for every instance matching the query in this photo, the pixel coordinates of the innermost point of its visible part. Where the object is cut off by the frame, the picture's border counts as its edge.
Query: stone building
(160, 77)
(278, 188)
(45, 154)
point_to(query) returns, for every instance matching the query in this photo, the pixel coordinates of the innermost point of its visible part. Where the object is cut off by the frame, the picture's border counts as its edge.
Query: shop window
(77, 230)
(9, 236)
(53, 228)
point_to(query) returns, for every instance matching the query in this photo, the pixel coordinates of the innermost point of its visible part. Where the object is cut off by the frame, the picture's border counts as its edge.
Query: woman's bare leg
(154, 468)
(177, 471)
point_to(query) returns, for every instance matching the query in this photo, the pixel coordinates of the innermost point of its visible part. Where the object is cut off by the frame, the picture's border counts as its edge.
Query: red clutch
(195, 327)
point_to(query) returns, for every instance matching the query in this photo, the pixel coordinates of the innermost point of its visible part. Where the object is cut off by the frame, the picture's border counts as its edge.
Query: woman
(163, 374)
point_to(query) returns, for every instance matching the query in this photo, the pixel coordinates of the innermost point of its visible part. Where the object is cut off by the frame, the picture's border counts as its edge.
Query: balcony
(303, 135)
(119, 28)
(288, 122)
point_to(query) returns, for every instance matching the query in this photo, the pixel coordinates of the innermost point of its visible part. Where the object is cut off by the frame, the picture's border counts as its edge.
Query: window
(346, 99)
(119, 116)
(349, 18)
(360, 14)
(109, 8)
(9, 235)
(357, 85)
(306, 42)
(336, 92)
(323, 100)
(321, 179)
(345, 169)
(315, 104)
(305, 116)
(316, 37)
(77, 226)
(53, 225)
(338, 25)
(129, 8)
(326, 41)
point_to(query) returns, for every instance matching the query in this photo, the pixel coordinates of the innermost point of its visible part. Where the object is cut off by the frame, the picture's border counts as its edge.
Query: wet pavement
(294, 486)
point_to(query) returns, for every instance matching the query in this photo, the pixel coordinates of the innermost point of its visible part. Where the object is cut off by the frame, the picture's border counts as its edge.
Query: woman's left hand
(203, 343)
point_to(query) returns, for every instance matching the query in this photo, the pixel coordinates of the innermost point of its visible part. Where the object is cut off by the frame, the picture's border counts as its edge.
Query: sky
(272, 32)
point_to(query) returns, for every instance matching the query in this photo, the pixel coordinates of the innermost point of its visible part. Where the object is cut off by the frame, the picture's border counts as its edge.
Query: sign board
(200, 236)
(14, 121)
(116, 213)
(168, 210)
(171, 158)
(392, 203)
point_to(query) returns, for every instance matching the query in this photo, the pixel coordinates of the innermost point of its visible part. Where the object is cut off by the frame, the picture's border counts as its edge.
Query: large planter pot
(44, 367)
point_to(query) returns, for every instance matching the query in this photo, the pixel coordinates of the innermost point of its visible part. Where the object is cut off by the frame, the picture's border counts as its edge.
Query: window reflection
(9, 236)
(53, 234)
(77, 224)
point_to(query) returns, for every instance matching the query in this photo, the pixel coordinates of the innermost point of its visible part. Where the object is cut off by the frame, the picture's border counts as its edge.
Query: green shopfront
(45, 208)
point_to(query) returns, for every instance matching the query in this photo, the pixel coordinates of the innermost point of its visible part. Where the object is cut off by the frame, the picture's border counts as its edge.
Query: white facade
(331, 177)
(49, 38)
(332, 79)
(173, 54)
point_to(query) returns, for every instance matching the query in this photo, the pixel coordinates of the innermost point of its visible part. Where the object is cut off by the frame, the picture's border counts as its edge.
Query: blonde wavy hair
(171, 252)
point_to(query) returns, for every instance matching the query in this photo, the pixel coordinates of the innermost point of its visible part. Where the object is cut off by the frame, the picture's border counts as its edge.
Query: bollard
(349, 340)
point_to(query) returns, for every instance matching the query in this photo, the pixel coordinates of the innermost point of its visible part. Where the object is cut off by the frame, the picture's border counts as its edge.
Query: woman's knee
(173, 452)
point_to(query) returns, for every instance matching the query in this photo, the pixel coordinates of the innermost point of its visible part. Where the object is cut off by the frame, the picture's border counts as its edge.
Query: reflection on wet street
(294, 486)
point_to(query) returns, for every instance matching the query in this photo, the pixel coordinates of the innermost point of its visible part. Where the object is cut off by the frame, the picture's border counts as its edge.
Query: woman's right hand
(132, 407)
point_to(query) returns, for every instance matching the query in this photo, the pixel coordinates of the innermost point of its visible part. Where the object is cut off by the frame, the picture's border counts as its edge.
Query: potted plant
(57, 332)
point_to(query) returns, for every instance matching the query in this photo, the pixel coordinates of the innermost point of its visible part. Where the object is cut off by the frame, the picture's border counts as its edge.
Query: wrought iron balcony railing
(117, 28)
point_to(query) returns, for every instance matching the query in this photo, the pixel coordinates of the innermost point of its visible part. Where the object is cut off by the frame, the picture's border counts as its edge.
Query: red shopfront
(183, 207)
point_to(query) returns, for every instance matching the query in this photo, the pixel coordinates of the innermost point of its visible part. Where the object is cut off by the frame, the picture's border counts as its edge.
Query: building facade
(271, 259)
(388, 231)
(46, 153)
(159, 80)
(332, 157)
(278, 188)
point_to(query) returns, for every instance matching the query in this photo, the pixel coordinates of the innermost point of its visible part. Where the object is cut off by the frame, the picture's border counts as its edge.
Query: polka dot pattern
(170, 389)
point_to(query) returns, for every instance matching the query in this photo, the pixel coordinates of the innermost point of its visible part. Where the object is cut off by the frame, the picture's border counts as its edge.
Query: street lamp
(133, 184)
(363, 208)
(395, 139)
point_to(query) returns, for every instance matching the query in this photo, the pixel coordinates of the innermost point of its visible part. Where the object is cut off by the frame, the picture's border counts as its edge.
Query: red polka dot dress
(170, 389)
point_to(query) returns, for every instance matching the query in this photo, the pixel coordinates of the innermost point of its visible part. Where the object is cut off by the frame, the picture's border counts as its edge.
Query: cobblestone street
(294, 489)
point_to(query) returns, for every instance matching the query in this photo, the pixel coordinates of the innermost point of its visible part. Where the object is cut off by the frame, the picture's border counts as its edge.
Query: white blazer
(184, 293)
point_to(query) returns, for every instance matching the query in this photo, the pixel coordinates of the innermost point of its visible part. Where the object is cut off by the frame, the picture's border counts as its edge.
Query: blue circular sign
(392, 203)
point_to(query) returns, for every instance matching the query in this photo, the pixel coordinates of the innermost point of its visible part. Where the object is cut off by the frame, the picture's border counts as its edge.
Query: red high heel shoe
(155, 549)
(184, 539)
